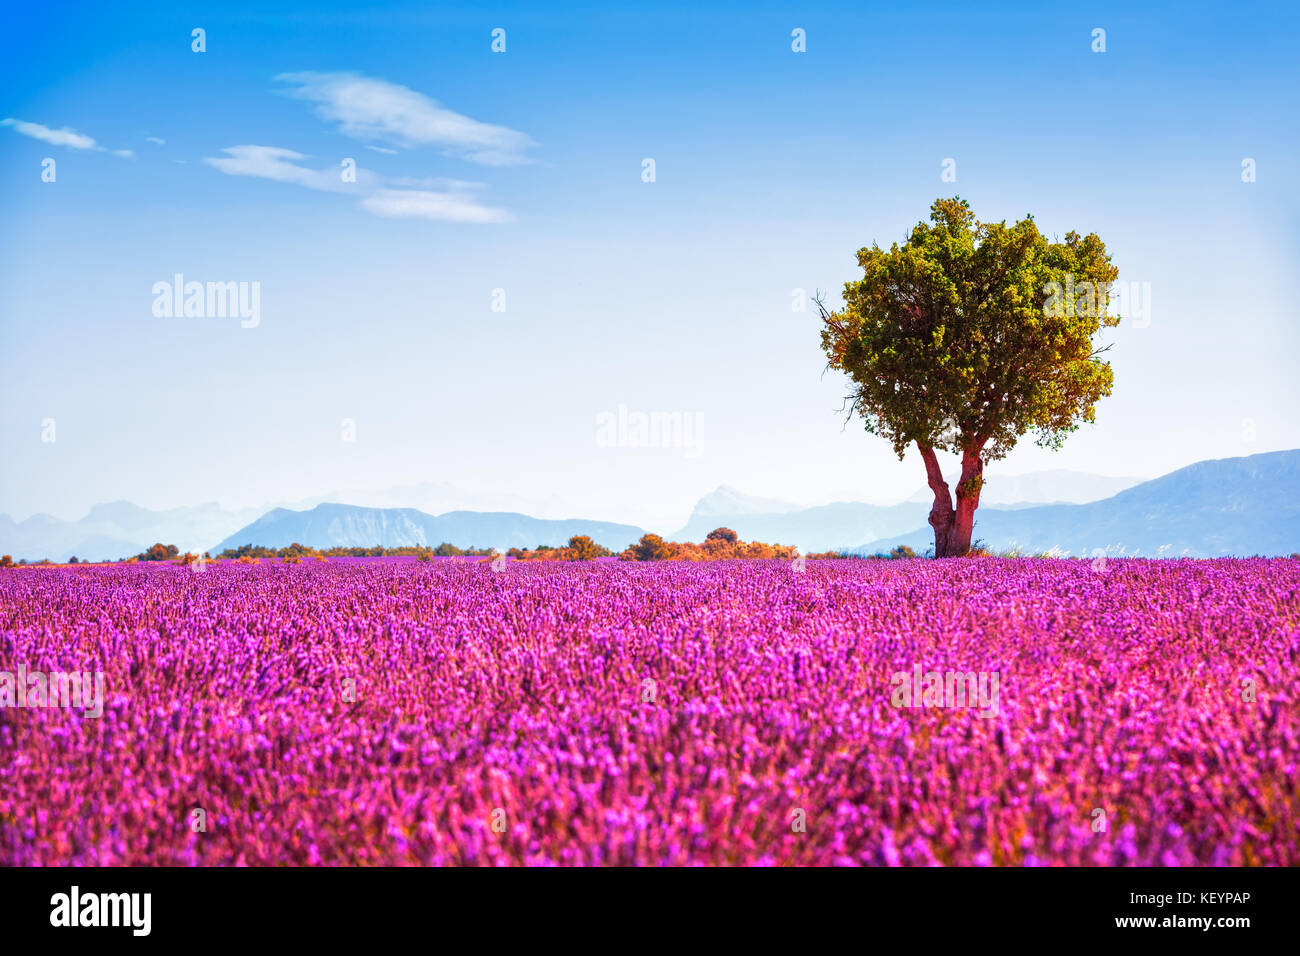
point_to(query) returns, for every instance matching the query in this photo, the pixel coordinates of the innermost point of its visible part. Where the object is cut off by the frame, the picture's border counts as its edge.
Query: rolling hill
(1231, 506)
(334, 525)
(1239, 506)
(117, 529)
(823, 528)
(1052, 487)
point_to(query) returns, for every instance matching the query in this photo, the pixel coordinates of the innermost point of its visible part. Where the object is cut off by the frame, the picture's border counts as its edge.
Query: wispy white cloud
(451, 205)
(434, 182)
(272, 162)
(443, 200)
(67, 136)
(155, 140)
(367, 108)
(381, 149)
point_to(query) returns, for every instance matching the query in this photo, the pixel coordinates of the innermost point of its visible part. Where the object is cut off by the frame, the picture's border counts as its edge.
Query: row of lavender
(390, 712)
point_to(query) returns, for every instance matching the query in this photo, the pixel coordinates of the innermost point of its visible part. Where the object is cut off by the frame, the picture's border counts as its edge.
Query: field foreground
(393, 712)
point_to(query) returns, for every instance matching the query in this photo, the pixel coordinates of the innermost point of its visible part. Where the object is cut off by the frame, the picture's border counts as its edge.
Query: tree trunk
(968, 499)
(942, 516)
(953, 527)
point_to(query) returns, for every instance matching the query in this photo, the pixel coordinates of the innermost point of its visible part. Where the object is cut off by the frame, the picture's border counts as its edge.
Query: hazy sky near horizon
(516, 177)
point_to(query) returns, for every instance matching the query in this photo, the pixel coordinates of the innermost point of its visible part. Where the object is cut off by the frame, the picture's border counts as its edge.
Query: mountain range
(848, 524)
(118, 529)
(1056, 486)
(1239, 506)
(1232, 506)
(333, 525)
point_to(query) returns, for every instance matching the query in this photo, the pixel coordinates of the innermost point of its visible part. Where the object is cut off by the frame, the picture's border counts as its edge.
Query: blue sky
(522, 171)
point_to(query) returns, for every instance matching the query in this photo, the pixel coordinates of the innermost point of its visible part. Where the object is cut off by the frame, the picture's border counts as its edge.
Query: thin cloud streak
(450, 200)
(449, 206)
(369, 109)
(273, 162)
(66, 137)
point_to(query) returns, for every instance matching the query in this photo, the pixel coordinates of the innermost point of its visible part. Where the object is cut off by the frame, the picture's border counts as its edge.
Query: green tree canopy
(966, 337)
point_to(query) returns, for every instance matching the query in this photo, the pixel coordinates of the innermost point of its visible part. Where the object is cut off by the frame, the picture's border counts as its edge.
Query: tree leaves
(949, 339)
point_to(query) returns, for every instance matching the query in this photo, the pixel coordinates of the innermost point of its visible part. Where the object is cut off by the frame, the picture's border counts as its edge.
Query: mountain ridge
(1052, 486)
(339, 525)
(1239, 506)
(1218, 506)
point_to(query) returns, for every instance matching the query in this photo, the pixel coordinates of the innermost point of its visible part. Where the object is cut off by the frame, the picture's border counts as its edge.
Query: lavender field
(396, 712)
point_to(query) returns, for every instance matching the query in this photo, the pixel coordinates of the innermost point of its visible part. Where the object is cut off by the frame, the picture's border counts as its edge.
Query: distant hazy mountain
(1232, 506)
(833, 526)
(334, 525)
(120, 529)
(436, 498)
(728, 501)
(823, 528)
(117, 529)
(1038, 487)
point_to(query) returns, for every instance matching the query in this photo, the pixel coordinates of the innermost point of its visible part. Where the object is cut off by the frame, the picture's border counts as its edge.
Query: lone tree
(967, 336)
(651, 547)
(582, 548)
